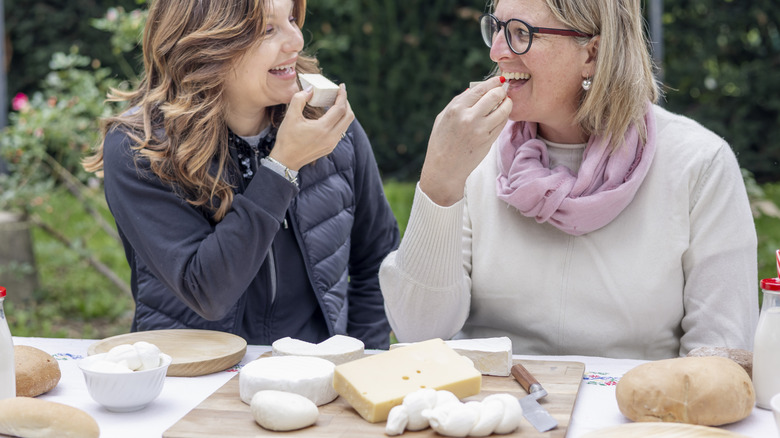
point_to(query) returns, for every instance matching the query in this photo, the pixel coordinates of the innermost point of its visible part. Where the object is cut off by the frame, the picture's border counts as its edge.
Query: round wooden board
(194, 352)
(661, 430)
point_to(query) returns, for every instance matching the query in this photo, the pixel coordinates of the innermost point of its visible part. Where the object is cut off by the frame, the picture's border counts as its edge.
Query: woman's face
(265, 76)
(551, 71)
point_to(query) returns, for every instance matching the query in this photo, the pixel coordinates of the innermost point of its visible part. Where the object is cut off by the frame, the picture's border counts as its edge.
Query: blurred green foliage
(721, 65)
(37, 29)
(403, 61)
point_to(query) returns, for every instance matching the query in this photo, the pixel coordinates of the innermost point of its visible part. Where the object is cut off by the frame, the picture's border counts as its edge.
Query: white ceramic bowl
(124, 392)
(775, 403)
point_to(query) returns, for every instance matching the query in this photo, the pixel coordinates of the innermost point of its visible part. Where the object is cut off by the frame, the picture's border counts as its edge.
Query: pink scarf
(576, 204)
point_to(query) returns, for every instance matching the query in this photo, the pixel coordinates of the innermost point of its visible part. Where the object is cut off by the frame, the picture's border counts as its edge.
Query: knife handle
(525, 378)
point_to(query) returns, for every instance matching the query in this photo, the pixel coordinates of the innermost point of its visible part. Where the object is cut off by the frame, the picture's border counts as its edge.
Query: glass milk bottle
(766, 347)
(7, 374)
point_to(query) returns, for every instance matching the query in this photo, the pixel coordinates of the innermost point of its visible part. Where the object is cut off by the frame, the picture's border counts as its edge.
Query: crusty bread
(708, 391)
(35, 418)
(743, 357)
(37, 372)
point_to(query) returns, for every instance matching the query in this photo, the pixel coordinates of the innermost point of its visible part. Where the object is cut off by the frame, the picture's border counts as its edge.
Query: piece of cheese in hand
(310, 377)
(324, 90)
(337, 349)
(374, 384)
(491, 356)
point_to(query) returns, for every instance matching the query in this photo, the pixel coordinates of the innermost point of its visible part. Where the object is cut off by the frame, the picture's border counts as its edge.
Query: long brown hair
(177, 115)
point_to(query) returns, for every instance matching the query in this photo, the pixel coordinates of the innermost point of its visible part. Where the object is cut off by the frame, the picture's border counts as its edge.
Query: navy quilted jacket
(190, 272)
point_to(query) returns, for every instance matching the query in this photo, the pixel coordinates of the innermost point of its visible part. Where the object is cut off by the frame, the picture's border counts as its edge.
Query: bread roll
(37, 372)
(708, 391)
(35, 418)
(743, 357)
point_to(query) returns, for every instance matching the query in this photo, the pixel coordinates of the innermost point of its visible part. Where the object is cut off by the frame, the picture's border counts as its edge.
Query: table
(595, 408)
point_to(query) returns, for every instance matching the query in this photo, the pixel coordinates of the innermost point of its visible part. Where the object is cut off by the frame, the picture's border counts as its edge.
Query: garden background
(402, 61)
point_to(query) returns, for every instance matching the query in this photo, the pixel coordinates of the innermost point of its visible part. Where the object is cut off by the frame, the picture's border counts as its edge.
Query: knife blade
(532, 410)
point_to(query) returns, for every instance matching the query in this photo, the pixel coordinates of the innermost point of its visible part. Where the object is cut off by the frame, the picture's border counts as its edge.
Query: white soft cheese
(491, 356)
(325, 91)
(311, 377)
(129, 357)
(397, 420)
(149, 355)
(126, 355)
(283, 411)
(337, 349)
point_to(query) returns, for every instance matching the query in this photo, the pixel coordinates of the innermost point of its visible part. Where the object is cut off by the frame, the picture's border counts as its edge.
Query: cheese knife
(532, 410)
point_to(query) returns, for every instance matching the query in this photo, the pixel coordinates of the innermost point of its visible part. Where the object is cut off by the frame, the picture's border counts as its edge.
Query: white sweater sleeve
(721, 278)
(424, 283)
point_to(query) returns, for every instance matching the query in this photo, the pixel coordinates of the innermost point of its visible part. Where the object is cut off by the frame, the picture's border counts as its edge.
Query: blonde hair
(178, 117)
(623, 82)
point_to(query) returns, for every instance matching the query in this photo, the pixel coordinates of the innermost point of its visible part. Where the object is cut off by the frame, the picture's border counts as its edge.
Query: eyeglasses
(519, 34)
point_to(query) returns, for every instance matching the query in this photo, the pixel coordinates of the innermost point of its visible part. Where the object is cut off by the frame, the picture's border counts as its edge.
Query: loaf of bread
(35, 418)
(37, 372)
(708, 391)
(743, 357)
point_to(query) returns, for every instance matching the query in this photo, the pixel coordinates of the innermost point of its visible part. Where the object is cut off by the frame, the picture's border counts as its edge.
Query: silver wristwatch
(281, 169)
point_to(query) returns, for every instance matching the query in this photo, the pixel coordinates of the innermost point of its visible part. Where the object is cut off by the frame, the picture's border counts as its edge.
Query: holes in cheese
(491, 356)
(374, 384)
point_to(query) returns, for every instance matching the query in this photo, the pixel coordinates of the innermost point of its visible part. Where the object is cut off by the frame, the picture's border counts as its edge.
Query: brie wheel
(310, 377)
(337, 349)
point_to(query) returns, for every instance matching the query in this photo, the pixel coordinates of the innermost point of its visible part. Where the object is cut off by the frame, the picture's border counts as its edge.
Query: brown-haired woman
(593, 222)
(242, 209)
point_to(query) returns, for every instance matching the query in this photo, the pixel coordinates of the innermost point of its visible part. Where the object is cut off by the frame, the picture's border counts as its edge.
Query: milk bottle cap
(772, 284)
(2, 292)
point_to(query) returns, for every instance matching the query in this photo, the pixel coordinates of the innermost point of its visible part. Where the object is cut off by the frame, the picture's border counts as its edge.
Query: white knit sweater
(675, 270)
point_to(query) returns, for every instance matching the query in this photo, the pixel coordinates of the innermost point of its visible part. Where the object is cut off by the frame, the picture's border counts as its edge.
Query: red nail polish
(502, 79)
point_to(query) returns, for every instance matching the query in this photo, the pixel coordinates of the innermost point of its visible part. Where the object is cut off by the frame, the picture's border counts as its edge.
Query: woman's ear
(592, 50)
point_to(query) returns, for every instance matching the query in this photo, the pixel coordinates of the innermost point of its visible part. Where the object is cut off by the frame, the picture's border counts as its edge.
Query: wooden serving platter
(661, 430)
(194, 352)
(224, 414)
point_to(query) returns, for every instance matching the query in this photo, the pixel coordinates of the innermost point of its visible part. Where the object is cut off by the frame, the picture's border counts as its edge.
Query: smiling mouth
(283, 70)
(515, 76)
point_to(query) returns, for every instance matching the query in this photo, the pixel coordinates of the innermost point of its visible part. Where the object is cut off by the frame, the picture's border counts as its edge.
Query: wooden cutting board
(194, 352)
(224, 414)
(661, 430)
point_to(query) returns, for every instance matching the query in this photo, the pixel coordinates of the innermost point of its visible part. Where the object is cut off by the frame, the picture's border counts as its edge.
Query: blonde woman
(570, 213)
(242, 209)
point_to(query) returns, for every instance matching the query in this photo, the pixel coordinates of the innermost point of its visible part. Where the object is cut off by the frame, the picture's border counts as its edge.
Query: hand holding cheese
(324, 90)
(302, 139)
(708, 391)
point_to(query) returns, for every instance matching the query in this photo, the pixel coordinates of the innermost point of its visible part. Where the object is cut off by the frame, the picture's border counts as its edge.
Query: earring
(586, 83)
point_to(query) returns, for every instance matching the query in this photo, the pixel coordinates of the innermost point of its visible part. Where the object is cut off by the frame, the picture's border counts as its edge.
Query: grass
(74, 300)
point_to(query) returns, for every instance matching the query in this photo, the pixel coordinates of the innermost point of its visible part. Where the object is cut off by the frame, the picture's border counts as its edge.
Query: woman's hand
(462, 135)
(301, 141)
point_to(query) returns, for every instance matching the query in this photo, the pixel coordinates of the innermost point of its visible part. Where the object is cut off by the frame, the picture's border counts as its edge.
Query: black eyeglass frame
(531, 31)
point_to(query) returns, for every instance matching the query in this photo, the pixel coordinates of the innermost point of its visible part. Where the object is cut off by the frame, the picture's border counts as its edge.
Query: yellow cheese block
(374, 384)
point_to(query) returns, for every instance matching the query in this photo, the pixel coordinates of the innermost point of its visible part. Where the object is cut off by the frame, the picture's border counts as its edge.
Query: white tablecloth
(595, 408)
